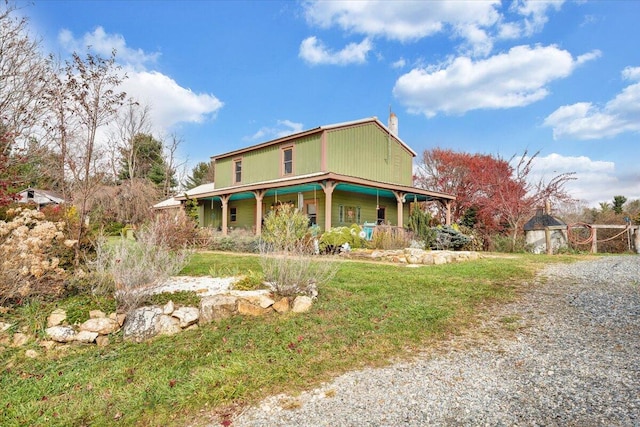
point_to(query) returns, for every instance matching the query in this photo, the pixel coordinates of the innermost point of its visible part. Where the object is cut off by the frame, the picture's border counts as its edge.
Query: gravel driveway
(567, 353)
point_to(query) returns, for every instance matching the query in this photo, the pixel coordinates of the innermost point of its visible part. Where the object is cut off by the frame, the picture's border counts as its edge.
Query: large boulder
(217, 307)
(142, 323)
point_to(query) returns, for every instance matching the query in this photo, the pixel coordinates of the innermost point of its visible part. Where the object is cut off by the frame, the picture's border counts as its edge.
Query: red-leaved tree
(501, 194)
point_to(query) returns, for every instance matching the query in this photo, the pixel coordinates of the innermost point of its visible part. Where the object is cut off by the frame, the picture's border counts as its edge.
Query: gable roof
(52, 196)
(540, 221)
(313, 131)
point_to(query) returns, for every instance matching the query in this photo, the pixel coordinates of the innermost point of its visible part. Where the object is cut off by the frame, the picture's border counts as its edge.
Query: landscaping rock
(4, 326)
(302, 304)
(168, 308)
(120, 318)
(247, 308)
(261, 300)
(168, 325)
(142, 324)
(86, 337)
(47, 344)
(31, 354)
(217, 307)
(102, 341)
(56, 317)
(63, 334)
(282, 305)
(19, 339)
(96, 314)
(187, 316)
(101, 325)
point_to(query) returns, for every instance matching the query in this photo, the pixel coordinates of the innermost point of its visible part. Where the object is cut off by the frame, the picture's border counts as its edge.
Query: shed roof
(540, 221)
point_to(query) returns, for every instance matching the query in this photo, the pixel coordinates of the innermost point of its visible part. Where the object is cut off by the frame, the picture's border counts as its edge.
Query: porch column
(259, 196)
(400, 200)
(225, 212)
(447, 220)
(328, 187)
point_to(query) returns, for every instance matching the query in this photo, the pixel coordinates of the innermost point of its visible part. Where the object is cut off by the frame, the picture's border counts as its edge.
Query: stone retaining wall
(413, 256)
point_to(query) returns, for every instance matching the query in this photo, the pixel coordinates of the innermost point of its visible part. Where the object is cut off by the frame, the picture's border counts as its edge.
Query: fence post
(594, 242)
(547, 240)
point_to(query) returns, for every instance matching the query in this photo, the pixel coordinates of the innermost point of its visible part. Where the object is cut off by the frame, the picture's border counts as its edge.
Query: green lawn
(368, 314)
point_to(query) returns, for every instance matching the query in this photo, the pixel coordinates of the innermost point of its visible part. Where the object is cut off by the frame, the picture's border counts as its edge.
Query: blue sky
(493, 77)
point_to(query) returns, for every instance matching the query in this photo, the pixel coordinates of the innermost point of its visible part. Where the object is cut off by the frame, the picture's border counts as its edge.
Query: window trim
(282, 160)
(237, 161)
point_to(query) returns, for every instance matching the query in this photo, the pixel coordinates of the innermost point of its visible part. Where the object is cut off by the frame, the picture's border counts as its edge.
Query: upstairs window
(237, 171)
(287, 161)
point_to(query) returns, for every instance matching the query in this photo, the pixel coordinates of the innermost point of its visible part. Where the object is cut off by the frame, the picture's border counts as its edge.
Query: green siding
(367, 152)
(264, 164)
(367, 205)
(246, 213)
(210, 214)
(222, 172)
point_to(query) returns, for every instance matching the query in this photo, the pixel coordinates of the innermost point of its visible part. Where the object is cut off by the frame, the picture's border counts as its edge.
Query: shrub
(139, 267)
(34, 255)
(387, 237)
(174, 230)
(420, 224)
(284, 228)
(331, 241)
(287, 252)
(238, 240)
(449, 237)
(502, 243)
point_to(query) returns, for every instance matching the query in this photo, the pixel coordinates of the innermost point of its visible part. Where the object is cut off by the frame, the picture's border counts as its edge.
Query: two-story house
(339, 174)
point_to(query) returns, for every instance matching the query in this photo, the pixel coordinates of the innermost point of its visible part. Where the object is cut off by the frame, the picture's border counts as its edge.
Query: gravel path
(565, 354)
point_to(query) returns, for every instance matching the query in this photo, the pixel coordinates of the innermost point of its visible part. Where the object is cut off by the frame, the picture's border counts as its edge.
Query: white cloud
(103, 44)
(402, 21)
(400, 63)
(534, 13)
(476, 23)
(314, 52)
(282, 128)
(596, 180)
(513, 79)
(584, 120)
(170, 103)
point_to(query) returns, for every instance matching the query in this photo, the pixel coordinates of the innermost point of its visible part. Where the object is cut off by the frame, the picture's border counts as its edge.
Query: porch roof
(313, 182)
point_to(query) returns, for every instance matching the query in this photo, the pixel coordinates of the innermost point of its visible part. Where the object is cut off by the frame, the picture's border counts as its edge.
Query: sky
(561, 78)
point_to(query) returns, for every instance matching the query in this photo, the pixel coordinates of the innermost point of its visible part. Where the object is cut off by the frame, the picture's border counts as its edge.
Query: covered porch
(328, 199)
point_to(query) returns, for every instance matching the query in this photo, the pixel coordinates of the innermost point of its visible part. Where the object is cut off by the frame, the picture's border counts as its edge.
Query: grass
(367, 315)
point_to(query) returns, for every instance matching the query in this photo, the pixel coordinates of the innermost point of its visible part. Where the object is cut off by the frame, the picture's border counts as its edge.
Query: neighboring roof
(210, 186)
(317, 130)
(167, 204)
(540, 221)
(316, 178)
(174, 202)
(52, 196)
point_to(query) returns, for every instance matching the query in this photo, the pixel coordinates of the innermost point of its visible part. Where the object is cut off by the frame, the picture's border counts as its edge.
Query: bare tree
(172, 164)
(131, 121)
(22, 81)
(83, 98)
(22, 71)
